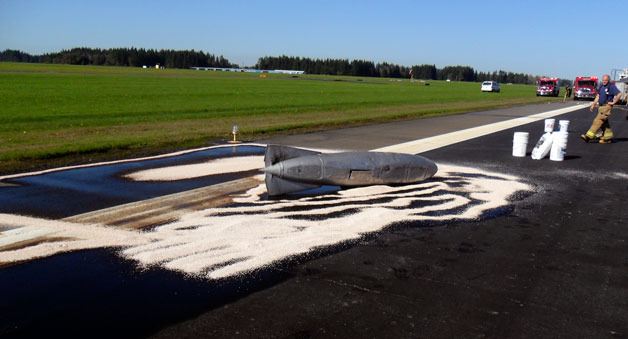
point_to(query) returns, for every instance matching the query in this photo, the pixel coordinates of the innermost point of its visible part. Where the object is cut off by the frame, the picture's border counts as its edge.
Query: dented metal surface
(290, 169)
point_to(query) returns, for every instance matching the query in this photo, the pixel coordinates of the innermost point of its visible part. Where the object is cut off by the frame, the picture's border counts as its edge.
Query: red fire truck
(585, 88)
(547, 87)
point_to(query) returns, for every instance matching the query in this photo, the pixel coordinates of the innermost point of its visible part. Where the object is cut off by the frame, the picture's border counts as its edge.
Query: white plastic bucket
(549, 125)
(559, 146)
(542, 147)
(563, 125)
(520, 144)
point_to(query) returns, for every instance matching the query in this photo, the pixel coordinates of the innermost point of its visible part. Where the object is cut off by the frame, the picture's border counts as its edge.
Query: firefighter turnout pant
(601, 123)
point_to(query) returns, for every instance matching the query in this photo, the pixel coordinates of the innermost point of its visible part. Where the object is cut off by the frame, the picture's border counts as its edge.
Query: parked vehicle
(547, 87)
(585, 88)
(620, 76)
(490, 86)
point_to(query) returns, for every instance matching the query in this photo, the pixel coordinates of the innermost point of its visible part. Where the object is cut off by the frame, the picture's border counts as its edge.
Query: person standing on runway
(607, 96)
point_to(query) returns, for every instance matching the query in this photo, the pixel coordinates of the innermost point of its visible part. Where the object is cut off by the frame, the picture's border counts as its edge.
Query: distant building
(247, 70)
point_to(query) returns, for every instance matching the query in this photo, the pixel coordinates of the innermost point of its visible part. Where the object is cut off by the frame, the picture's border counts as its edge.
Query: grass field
(61, 114)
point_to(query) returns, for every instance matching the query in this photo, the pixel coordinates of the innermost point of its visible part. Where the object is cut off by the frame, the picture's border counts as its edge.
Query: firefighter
(608, 95)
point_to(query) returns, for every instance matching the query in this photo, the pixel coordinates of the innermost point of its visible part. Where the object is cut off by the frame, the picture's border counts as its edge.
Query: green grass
(61, 114)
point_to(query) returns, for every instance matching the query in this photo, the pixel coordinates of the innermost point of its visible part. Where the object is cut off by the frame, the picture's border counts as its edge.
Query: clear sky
(554, 38)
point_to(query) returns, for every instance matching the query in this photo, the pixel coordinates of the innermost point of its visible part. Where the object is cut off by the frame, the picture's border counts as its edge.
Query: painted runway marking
(621, 175)
(431, 143)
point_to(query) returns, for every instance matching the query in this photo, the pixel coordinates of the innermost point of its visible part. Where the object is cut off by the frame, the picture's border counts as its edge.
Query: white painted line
(621, 175)
(431, 143)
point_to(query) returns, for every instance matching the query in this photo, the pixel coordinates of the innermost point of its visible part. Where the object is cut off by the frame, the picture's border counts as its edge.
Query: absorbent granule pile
(254, 233)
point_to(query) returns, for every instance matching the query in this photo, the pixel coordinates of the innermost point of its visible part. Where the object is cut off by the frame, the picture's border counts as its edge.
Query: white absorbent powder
(254, 233)
(212, 167)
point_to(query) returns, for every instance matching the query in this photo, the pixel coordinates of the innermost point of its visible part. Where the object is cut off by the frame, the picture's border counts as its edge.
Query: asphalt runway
(552, 263)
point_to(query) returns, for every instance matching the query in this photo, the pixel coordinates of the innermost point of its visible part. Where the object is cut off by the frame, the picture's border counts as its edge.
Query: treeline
(371, 69)
(135, 57)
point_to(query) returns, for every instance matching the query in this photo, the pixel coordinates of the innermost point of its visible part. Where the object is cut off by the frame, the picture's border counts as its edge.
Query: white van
(490, 86)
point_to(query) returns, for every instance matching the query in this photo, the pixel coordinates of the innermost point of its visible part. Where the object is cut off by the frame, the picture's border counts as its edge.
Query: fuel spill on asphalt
(205, 257)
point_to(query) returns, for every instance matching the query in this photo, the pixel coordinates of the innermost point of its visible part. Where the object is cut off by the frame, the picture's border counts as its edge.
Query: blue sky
(554, 38)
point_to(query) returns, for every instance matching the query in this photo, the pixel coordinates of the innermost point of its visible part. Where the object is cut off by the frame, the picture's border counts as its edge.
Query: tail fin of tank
(278, 153)
(278, 186)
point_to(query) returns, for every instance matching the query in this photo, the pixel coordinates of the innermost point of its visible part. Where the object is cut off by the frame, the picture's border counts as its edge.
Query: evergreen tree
(122, 57)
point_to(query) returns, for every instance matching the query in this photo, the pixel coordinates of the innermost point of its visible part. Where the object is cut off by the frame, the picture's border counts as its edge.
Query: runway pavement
(552, 263)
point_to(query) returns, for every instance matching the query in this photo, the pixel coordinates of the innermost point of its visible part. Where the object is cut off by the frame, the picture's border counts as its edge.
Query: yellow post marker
(234, 131)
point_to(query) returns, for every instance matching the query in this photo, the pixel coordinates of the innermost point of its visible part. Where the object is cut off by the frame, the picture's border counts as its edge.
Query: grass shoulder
(53, 115)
